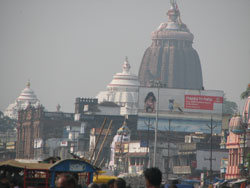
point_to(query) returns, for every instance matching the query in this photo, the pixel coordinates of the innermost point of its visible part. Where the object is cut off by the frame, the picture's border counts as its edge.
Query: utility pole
(156, 125)
(245, 127)
(158, 84)
(211, 127)
(149, 125)
(168, 139)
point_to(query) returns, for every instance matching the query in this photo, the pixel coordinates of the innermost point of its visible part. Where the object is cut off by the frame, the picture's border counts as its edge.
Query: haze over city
(70, 49)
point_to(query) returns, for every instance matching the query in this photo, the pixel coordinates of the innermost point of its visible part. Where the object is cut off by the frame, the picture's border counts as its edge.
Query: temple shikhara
(171, 58)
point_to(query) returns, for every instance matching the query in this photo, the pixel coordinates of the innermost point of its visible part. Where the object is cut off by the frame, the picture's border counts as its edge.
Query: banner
(180, 100)
(201, 102)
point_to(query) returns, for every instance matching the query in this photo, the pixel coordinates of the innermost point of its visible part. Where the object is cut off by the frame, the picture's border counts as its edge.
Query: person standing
(66, 181)
(153, 177)
(120, 183)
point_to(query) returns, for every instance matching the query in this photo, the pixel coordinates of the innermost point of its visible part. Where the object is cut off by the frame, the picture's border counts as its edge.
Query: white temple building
(26, 97)
(122, 90)
(123, 135)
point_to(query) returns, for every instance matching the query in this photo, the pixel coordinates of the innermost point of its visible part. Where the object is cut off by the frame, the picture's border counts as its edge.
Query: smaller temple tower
(123, 135)
(26, 98)
(238, 143)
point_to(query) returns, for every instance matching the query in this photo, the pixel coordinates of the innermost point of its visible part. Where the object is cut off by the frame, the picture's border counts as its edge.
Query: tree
(6, 123)
(246, 93)
(229, 107)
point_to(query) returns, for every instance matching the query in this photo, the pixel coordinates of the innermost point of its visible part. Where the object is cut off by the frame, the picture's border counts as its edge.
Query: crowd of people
(153, 179)
(13, 180)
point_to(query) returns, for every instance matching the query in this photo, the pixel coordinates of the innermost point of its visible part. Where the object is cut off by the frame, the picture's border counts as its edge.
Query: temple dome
(238, 123)
(125, 79)
(171, 57)
(27, 97)
(124, 130)
(235, 125)
(122, 90)
(27, 94)
(123, 135)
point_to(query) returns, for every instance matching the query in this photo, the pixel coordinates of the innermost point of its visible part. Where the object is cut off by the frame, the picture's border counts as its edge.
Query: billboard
(186, 110)
(201, 102)
(64, 143)
(182, 100)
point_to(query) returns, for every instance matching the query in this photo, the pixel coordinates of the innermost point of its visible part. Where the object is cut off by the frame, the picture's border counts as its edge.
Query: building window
(132, 161)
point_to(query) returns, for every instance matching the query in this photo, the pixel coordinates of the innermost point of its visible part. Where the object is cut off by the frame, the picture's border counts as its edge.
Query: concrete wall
(202, 163)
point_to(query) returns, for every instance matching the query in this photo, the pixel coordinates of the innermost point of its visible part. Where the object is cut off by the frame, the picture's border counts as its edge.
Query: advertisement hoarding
(186, 110)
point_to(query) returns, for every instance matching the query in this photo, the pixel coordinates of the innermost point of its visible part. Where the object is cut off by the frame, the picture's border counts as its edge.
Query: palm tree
(246, 93)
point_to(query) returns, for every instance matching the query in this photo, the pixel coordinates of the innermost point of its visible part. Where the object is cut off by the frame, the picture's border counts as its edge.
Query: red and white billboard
(64, 143)
(180, 100)
(201, 102)
(187, 110)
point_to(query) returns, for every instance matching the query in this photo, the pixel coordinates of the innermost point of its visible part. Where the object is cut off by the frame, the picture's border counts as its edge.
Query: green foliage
(6, 123)
(246, 93)
(248, 161)
(229, 107)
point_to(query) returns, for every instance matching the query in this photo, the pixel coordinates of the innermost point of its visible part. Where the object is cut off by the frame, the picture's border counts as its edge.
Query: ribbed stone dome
(122, 90)
(171, 57)
(27, 97)
(27, 94)
(235, 125)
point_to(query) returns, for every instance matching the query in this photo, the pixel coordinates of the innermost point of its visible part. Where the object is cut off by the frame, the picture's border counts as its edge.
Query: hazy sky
(72, 48)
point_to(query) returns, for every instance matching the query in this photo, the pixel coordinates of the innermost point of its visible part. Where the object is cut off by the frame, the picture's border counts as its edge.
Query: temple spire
(159, 60)
(126, 66)
(173, 4)
(28, 83)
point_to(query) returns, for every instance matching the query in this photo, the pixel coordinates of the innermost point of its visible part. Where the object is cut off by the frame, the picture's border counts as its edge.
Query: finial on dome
(124, 130)
(58, 107)
(173, 5)
(28, 83)
(172, 2)
(126, 58)
(173, 14)
(126, 66)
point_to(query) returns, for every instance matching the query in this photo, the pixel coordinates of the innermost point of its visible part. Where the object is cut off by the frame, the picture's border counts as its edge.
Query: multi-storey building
(35, 126)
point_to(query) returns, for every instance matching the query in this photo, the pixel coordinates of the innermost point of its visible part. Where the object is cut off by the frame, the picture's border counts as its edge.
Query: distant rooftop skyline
(72, 49)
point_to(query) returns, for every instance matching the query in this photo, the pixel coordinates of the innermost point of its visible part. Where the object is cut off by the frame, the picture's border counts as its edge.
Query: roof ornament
(28, 83)
(126, 58)
(126, 66)
(173, 15)
(124, 130)
(173, 4)
(58, 107)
